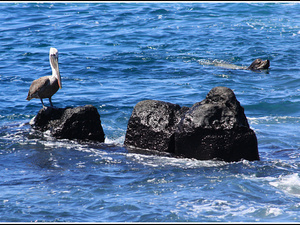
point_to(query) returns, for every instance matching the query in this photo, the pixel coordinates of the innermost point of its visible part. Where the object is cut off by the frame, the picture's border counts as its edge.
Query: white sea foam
(115, 141)
(220, 208)
(289, 184)
(273, 211)
(158, 160)
(273, 119)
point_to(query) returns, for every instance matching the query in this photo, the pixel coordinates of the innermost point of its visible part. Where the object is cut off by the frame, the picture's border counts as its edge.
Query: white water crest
(288, 183)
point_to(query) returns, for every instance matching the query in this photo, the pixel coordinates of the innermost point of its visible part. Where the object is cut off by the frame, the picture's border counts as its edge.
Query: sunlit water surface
(113, 55)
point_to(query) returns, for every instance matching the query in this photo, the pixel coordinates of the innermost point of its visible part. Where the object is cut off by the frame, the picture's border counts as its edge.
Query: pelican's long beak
(58, 78)
(53, 57)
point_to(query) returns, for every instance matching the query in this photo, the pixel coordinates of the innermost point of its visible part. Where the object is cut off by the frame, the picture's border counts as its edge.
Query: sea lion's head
(259, 64)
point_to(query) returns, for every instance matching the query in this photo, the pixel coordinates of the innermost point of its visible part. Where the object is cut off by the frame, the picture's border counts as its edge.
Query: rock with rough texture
(152, 124)
(215, 128)
(82, 123)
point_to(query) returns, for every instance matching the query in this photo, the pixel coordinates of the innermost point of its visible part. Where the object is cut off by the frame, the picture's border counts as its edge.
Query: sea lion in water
(256, 65)
(259, 64)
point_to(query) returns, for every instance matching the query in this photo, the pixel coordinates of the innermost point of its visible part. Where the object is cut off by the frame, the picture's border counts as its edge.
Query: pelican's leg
(42, 103)
(50, 102)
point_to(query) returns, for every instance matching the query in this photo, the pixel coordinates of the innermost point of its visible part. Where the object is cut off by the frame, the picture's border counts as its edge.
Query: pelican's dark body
(42, 88)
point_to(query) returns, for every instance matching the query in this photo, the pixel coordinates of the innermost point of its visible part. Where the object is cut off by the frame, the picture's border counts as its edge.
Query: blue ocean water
(113, 55)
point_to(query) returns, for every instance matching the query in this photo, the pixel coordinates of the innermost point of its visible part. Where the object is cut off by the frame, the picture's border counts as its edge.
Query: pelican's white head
(53, 58)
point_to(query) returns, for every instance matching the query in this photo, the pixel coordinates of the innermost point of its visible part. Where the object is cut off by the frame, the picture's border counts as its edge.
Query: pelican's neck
(54, 72)
(54, 66)
(53, 58)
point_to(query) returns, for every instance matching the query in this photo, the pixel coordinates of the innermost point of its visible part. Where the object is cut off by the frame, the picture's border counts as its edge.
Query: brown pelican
(46, 86)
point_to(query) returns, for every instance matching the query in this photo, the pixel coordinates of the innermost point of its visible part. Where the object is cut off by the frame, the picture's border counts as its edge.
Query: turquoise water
(113, 55)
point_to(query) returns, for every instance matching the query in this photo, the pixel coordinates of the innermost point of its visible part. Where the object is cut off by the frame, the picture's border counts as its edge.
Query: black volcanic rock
(152, 124)
(82, 123)
(215, 128)
(219, 110)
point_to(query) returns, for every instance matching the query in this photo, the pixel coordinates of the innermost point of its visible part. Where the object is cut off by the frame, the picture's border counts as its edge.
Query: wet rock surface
(152, 125)
(215, 128)
(82, 123)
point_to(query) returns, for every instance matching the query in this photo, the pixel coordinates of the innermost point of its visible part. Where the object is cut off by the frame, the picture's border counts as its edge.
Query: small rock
(82, 123)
